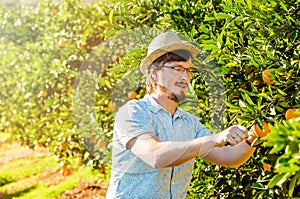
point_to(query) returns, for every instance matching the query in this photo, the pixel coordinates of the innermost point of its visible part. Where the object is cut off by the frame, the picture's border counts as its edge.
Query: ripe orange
(93, 139)
(40, 103)
(261, 132)
(54, 11)
(63, 165)
(292, 113)
(132, 95)
(62, 43)
(267, 167)
(111, 107)
(266, 76)
(63, 146)
(102, 144)
(65, 172)
(44, 94)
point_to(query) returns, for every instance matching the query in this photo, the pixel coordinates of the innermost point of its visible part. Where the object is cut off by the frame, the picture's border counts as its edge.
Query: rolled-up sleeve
(132, 120)
(201, 130)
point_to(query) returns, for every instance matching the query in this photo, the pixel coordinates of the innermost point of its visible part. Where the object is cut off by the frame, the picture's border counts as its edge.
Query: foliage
(244, 38)
(61, 54)
(285, 137)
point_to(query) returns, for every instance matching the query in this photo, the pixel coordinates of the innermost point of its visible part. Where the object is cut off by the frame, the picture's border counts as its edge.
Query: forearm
(230, 156)
(170, 154)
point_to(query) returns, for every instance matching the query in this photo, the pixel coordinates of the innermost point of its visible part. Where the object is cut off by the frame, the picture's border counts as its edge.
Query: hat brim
(147, 61)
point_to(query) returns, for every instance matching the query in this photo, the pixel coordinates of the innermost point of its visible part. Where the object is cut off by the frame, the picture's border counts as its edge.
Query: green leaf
(292, 148)
(283, 6)
(220, 40)
(292, 185)
(242, 104)
(249, 4)
(102, 23)
(256, 142)
(222, 16)
(207, 18)
(277, 180)
(234, 109)
(111, 15)
(247, 98)
(291, 19)
(281, 92)
(277, 148)
(258, 185)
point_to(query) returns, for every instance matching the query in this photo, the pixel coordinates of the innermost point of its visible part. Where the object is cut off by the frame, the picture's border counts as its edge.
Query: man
(155, 143)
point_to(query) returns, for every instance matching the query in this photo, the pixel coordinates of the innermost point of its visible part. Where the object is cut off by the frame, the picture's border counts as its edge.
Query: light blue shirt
(131, 177)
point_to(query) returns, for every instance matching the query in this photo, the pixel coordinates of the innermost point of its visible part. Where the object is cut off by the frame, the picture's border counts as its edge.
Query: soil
(87, 190)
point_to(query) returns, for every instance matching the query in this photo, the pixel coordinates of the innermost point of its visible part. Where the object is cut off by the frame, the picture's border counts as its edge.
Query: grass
(37, 174)
(23, 168)
(44, 191)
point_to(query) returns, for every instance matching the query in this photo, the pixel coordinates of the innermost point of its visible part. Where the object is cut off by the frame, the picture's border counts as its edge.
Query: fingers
(251, 135)
(236, 134)
(251, 131)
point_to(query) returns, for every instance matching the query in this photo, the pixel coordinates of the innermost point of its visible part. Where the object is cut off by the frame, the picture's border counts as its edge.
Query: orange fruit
(261, 132)
(267, 167)
(63, 146)
(40, 144)
(62, 43)
(266, 76)
(93, 140)
(132, 95)
(111, 107)
(44, 94)
(292, 113)
(65, 172)
(63, 165)
(102, 144)
(40, 103)
(54, 11)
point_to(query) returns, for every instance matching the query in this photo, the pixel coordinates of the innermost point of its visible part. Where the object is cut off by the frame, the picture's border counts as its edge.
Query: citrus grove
(255, 46)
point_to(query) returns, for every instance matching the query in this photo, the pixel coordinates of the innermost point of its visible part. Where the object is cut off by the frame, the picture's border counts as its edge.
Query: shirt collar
(155, 107)
(152, 104)
(178, 113)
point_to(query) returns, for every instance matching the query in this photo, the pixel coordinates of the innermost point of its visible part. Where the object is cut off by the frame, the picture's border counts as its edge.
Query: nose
(184, 74)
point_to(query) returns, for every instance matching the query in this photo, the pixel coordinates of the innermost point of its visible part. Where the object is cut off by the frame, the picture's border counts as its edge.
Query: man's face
(173, 79)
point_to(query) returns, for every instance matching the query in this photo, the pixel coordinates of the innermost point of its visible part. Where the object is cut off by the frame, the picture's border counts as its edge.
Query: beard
(179, 97)
(174, 96)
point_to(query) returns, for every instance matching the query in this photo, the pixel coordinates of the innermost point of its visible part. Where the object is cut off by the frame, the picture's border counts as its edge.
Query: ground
(14, 156)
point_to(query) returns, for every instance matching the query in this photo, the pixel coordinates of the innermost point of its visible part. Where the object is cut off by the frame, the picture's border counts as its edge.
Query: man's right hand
(232, 135)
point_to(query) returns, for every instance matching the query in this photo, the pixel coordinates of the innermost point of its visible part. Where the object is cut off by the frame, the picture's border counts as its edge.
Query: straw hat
(162, 44)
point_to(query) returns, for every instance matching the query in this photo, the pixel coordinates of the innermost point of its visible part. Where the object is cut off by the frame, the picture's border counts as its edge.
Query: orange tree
(245, 39)
(44, 48)
(53, 59)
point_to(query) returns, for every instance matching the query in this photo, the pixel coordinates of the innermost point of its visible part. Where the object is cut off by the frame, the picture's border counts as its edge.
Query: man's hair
(177, 55)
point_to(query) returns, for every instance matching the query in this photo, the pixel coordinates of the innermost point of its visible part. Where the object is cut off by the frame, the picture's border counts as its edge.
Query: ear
(153, 73)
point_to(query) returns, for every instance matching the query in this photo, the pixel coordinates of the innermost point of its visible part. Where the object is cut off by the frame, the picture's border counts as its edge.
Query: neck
(164, 101)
